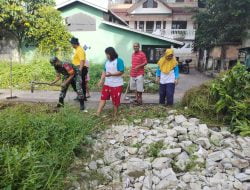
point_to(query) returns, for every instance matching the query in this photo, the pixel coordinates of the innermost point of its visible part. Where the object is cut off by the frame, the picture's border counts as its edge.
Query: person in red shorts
(111, 80)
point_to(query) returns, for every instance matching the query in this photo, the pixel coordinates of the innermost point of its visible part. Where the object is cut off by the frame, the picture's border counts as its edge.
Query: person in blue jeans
(167, 74)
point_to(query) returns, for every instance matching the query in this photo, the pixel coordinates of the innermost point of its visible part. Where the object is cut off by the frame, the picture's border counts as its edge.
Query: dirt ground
(186, 82)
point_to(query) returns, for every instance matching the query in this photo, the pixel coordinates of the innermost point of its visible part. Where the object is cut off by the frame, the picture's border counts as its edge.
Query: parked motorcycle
(184, 66)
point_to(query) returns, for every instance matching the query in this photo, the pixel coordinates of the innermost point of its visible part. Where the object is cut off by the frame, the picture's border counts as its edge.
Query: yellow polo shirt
(79, 56)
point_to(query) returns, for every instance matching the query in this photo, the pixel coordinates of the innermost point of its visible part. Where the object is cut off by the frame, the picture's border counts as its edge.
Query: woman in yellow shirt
(79, 59)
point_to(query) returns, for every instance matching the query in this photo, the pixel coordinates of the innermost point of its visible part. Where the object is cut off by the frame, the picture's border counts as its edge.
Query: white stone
(246, 186)
(216, 138)
(148, 123)
(180, 119)
(237, 185)
(226, 162)
(169, 182)
(132, 150)
(206, 188)
(180, 130)
(168, 173)
(182, 161)
(112, 142)
(156, 180)
(216, 156)
(136, 167)
(100, 162)
(194, 121)
(240, 163)
(160, 163)
(147, 183)
(93, 165)
(247, 171)
(242, 177)
(187, 177)
(187, 124)
(171, 153)
(203, 130)
(204, 142)
(138, 186)
(195, 186)
(171, 133)
(169, 119)
(113, 155)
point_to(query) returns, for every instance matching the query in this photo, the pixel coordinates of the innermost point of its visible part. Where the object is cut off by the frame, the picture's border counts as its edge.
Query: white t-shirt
(114, 67)
(167, 78)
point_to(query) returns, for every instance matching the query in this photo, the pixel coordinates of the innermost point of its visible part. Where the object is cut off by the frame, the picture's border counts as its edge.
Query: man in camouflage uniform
(71, 76)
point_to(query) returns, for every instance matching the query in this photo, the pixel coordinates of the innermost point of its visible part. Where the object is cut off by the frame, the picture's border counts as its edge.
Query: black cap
(74, 41)
(53, 60)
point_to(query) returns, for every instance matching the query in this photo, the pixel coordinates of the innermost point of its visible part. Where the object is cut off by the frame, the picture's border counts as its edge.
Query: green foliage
(39, 69)
(200, 102)
(222, 21)
(50, 34)
(30, 23)
(23, 74)
(37, 149)
(155, 148)
(226, 99)
(232, 94)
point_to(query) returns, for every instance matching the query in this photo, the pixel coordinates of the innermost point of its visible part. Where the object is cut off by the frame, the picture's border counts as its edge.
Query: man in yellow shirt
(79, 60)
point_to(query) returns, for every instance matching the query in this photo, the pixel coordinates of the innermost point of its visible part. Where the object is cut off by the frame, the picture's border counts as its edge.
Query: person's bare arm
(141, 65)
(102, 79)
(67, 81)
(58, 77)
(114, 74)
(82, 64)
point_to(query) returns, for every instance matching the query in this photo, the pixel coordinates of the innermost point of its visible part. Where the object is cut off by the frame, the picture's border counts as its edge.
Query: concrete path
(186, 82)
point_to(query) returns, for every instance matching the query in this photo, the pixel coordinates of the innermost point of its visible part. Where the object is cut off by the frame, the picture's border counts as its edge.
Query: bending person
(71, 76)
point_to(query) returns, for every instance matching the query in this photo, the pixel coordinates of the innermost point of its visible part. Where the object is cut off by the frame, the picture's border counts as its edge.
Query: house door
(149, 26)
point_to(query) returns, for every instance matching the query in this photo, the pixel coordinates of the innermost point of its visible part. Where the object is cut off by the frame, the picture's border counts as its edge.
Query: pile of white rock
(191, 156)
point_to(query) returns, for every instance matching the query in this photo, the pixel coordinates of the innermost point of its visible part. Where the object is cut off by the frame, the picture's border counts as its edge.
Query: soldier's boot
(82, 106)
(60, 103)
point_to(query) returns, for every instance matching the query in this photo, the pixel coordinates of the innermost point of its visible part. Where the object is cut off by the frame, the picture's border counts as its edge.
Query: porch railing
(181, 34)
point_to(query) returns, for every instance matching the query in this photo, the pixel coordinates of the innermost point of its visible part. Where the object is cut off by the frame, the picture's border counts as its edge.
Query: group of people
(76, 75)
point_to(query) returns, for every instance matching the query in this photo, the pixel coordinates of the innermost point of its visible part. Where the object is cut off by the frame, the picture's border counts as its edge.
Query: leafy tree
(24, 19)
(50, 34)
(222, 21)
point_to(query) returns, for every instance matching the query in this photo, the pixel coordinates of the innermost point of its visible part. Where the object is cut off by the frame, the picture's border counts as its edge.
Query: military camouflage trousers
(76, 84)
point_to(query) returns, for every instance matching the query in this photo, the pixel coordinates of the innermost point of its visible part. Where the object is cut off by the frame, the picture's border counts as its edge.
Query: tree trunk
(223, 57)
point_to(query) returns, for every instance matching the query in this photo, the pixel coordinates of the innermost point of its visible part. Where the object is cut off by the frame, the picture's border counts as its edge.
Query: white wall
(161, 9)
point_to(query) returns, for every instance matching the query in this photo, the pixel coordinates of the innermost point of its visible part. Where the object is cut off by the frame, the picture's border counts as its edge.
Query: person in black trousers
(79, 60)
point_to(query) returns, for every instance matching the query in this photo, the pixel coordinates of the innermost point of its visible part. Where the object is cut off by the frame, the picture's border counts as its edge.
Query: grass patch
(155, 148)
(37, 149)
(38, 144)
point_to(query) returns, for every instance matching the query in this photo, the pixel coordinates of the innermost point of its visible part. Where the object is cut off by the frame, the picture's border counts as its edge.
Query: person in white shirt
(111, 80)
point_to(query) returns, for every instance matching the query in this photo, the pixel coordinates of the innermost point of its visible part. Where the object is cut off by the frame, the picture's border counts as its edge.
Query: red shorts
(113, 92)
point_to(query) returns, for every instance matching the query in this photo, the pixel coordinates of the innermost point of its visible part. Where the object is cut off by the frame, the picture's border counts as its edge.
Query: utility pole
(11, 79)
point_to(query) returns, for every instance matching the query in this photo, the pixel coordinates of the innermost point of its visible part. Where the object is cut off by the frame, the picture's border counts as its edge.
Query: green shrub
(225, 99)
(37, 149)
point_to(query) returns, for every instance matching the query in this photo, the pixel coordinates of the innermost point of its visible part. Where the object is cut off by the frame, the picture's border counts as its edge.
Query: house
(98, 28)
(166, 18)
